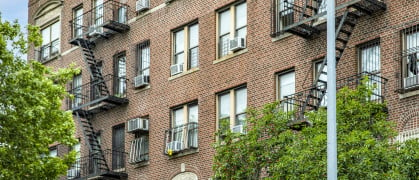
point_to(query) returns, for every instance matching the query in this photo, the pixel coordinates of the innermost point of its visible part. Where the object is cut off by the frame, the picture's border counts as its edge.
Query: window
(97, 91)
(186, 42)
(50, 41)
(77, 91)
(139, 149)
(98, 15)
(322, 82)
(143, 59)
(321, 9)
(285, 90)
(184, 132)
(120, 83)
(53, 152)
(231, 108)
(369, 54)
(410, 57)
(283, 15)
(74, 170)
(78, 22)
(118, 146)
(232, 22)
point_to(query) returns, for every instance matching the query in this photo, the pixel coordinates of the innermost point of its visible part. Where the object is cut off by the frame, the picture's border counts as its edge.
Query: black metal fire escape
(305, 27)
(98, 97)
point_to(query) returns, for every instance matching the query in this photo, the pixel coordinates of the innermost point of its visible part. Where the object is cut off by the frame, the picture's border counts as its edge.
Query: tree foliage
(366, 148)
(30, 110)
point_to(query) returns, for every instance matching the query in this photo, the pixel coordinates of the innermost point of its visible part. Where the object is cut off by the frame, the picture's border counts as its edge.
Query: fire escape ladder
(317, 92)
(97, 155)
(95, 71)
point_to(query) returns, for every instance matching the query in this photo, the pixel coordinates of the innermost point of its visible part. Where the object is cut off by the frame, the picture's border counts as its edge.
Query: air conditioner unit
(137, 124)
(411, 81)
(142, 5)
(237, 129)
(141, 80)
(176, 69)
(95, 31)
(237, 43)
(175, 146)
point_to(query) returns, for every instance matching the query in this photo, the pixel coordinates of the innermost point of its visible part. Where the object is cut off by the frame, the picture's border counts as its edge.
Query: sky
(14, 9)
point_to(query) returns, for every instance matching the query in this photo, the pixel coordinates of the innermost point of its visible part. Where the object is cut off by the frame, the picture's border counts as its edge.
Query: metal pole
(331, 93)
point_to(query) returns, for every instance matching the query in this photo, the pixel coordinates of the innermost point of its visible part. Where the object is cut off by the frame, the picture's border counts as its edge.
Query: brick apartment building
(157, 76)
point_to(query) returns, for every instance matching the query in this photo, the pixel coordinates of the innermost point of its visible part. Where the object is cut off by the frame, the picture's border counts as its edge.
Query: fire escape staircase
(313, 97)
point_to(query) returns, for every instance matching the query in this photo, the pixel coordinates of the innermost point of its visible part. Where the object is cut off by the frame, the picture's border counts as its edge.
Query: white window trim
(186, 48)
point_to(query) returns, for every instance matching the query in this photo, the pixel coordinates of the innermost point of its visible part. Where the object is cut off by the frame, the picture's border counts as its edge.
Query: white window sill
(141, 164)
(184, 73)
(184, 153)
(138, 90)
(409, 94)
(229, 56)
(282, 36)
(54, 57)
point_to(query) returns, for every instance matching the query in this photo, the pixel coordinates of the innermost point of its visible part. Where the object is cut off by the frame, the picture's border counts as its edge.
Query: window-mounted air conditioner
(142, 5)
(141, 80)
(95, 31)
(175, 146)
(411, 81)
(176, 69)
(137, 124)
(237, 43)
(237, 129)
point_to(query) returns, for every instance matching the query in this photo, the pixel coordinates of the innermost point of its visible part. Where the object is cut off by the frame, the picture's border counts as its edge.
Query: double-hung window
(186, 51)
(77, 91)
(184, 128)
(410, 57)
(322, 81)
(98, 12)
(50, 41)
(286, 88)
(232, 22)
(369, 55)
(143, 62)
(231, 109)
(78, 21)
(283, 15)
(120, 71)
(118, 146)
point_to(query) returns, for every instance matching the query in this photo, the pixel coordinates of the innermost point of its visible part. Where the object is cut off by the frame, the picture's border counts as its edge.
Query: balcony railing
(111, 15)
(139, 150)
(296, 101)
(47, 51)
(92, 96)
(300, 16)
(181, 138)
(90, 166)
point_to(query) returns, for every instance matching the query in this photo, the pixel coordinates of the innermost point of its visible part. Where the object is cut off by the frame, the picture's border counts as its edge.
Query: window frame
(76, 86)
(120, 82)
(139, 61)
(406, 53)
(232, 117)
(53, 46)
(232, 33)
(377, 93)
(118, 160)
(187, 49)
(185, 111)
(77, 27)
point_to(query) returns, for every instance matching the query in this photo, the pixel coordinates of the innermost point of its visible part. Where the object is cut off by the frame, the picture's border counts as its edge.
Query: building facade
(158, 76)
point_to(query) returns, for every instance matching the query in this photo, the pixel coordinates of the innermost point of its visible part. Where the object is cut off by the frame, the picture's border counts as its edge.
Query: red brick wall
(256, 68)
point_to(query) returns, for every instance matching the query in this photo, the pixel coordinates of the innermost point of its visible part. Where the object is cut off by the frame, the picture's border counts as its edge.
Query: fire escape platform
(107, 175)
(101, 104)
(305, 29)
(116, 26)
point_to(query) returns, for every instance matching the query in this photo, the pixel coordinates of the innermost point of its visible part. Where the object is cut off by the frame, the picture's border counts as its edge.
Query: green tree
(365, 146)
(30, 110)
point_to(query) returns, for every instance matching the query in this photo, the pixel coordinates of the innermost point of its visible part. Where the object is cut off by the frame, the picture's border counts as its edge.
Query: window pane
(178, 117)
(46, 38)
(193, 57)
(285, 6)
(179, 42)
(55, 31)
(53, 152)
(224, 43)
(179, 58)
(370, 58)
(193, 36)
(241, 32)
(412, 47)
(145, 60)
(193, 113)
(224, 22)
(241, 15)
(241, 100)
(224, 105)
(286, 84)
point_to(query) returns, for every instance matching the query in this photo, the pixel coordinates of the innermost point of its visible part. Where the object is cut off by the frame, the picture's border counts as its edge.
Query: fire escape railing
(111, 15)
(47, 51)
(90, 94)
(90, 166)
(181, 138)
(295, 102)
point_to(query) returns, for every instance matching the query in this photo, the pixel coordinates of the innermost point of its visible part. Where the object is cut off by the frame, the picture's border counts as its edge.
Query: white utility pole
(331, 92)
